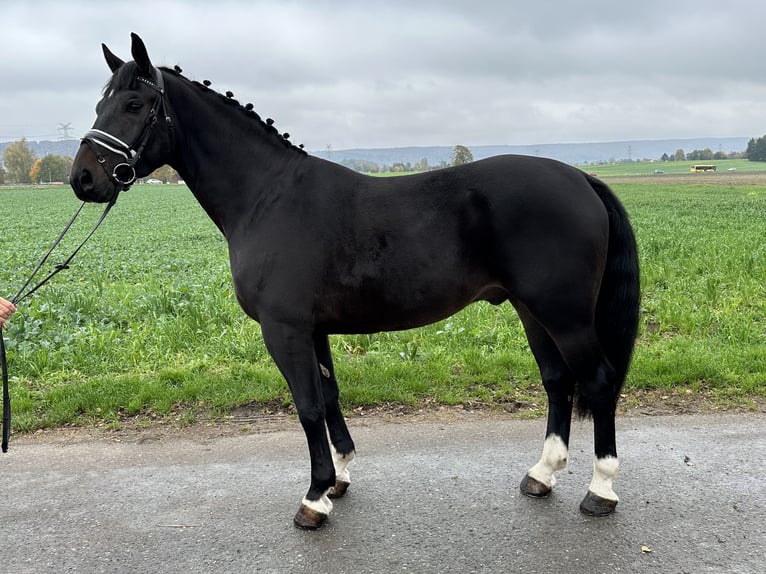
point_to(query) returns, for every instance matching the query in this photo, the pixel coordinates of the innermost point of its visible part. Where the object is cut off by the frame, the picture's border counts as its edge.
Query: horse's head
(131, 135)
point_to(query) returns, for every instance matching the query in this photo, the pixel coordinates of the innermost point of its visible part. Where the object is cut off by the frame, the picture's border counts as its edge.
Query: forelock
(123, 79)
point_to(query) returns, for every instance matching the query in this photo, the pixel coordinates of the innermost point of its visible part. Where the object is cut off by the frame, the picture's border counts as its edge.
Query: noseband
(123, 174)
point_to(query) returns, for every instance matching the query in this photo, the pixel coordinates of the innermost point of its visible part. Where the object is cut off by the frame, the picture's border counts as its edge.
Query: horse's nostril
(86, 180)
(82, 183)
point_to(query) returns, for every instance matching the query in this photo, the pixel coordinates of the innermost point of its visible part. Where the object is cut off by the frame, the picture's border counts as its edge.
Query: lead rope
(108, 141)
(21, 295)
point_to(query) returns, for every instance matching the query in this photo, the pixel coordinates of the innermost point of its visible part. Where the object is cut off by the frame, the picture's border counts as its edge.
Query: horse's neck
(225, 157)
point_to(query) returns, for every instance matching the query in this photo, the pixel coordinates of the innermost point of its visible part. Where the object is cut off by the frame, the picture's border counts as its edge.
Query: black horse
(317, 249)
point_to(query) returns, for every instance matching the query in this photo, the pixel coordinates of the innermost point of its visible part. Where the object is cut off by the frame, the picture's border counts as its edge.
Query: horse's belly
(376, 324)
(394, 310)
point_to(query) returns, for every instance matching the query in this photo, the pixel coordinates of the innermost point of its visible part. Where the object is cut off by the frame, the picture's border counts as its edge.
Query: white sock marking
(323, 505)
(340, 461)
(604, 474)
(554, 458)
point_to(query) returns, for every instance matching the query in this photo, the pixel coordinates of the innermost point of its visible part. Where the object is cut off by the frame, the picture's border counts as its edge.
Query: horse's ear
(111, 60)
(141, 56)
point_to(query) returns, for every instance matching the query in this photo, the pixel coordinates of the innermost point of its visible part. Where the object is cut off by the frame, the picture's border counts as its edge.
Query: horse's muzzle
(89, 180)
(86, 188)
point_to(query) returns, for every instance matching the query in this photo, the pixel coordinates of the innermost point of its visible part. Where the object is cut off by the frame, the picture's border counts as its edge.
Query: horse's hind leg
(597, 397)
(559, 384)
(340, 439)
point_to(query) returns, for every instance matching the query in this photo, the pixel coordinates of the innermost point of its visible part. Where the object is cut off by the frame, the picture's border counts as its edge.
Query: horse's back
(499, 213)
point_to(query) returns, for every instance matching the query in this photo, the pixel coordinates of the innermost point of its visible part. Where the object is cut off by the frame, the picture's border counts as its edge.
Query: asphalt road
(425, 497)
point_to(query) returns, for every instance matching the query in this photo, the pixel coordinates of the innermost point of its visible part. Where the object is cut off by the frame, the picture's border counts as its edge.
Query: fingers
(6, 310)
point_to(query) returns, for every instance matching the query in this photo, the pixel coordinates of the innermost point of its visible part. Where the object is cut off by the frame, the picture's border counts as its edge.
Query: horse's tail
(617, 308)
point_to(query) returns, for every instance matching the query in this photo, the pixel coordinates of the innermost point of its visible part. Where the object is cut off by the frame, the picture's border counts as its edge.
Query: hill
(573, 153)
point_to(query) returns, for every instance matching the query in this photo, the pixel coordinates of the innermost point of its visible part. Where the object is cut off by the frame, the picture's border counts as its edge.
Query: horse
(317, 249)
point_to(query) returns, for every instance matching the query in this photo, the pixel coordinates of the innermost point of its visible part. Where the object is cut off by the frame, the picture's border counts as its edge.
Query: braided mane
(247, 110)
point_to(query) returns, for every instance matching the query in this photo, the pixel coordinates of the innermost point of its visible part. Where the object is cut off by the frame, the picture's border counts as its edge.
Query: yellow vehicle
(698, 168)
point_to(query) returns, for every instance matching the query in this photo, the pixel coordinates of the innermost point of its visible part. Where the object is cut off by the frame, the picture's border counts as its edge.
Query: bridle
(123, 174)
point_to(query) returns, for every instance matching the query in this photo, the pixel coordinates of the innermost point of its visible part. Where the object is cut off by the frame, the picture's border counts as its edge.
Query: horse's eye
(135, 105)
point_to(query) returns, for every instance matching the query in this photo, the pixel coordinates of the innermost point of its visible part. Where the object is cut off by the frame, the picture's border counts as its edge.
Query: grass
(673, 168)
(704, 297)
(145, 323)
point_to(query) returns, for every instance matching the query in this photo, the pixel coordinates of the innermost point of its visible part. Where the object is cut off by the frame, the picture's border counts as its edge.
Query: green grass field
(145, 325)
(673, 168)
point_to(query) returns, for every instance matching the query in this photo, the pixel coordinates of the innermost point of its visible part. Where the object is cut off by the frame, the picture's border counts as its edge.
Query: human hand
(6, 310)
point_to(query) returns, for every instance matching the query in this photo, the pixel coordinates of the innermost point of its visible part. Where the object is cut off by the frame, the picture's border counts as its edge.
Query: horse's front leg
(292, 349)
(340, 438)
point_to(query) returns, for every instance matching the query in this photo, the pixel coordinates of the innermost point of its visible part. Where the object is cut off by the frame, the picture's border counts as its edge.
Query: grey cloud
(392, 73)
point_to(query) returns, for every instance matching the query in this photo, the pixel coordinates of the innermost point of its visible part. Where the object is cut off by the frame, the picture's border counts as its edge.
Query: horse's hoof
(309, 519)
(595, 505)
(340, 488)
(534, 488)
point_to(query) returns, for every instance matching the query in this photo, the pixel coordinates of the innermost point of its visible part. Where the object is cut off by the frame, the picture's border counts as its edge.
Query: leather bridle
(123, 174)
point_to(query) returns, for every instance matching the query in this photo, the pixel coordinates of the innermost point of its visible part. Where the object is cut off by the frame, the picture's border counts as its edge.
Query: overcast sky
(409, 72)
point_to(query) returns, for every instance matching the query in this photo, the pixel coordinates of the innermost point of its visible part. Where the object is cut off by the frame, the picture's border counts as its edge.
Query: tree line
(756, 149)
(700, 155)
(20, 165)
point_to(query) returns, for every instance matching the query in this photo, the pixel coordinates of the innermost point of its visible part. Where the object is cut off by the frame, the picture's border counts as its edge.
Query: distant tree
(680, 155)
(756, 149)
(165, 174)
(665, 157)
(18, 158)
(34, 173)
(2, 176)
(51, 168)
(361, 165)
(700, 155)
(720, 155)
(421, 165)
(461, 155)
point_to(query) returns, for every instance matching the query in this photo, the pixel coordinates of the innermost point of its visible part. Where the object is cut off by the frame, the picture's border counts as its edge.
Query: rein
(122, 175)
(22, 294)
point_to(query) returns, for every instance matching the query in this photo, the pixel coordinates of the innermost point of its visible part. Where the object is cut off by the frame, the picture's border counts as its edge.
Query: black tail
(617, 309)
